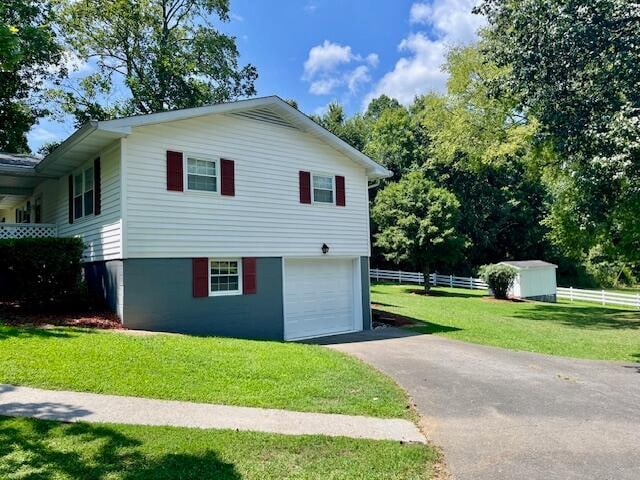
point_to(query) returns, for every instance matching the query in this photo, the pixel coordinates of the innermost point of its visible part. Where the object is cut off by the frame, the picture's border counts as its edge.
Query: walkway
(97, 408)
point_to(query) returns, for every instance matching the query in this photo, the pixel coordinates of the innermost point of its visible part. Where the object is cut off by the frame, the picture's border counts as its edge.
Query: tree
(166, 53)
(352, 130)
(29, 55)
(418, 223)
(379, 105)
(575, 65)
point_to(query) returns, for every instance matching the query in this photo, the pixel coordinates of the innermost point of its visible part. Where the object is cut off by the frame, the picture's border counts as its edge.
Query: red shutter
(97, 188)
(200, 277)
(70, 198)
(340, 195)
(305, 187)
(174, 171)
(249, 281)
(227, 175)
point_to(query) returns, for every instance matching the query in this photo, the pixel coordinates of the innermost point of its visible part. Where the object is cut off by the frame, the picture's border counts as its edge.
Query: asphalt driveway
(500, 414)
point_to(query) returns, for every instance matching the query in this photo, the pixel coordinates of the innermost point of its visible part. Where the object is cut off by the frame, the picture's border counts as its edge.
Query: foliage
(29, 55)
(352, 130)
(418, 223)
(227, 371)
(575, 66)
(41, 272)
(167, 53)
(570, 329)
(499, 278)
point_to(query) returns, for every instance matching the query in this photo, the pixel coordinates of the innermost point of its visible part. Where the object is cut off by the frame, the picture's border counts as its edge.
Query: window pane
(77, 207)
(77, 188)
(323, 182)
(197, 182)
(88, 203)
(324, 196)
(88, 179)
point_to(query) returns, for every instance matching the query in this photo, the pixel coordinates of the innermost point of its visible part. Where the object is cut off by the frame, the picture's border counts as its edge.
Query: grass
(44, 449)
(581, 330)
(200, 369)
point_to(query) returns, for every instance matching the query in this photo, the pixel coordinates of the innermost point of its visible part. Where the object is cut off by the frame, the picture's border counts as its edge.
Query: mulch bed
(13, 315)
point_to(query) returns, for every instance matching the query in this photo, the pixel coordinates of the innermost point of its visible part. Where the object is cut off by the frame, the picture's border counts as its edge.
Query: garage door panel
(319, 297)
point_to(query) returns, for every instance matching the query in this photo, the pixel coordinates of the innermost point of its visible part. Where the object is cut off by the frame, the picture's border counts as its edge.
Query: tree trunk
(425, 278)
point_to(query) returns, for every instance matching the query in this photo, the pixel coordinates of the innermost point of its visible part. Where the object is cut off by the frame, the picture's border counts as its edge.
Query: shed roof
(528, 264)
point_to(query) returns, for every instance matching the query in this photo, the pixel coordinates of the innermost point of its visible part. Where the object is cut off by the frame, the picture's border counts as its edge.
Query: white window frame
(333, 189)
(225, 293)
(215, 160)
(82, 172)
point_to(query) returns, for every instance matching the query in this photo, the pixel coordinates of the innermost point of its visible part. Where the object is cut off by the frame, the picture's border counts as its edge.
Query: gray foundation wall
(159, 297)
(366, 289)
(105, 282)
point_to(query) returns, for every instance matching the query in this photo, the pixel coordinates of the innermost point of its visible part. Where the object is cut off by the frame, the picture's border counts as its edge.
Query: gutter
(79, 135)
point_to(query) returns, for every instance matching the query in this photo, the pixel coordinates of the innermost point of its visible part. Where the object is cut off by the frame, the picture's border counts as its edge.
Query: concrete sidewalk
(96, 408)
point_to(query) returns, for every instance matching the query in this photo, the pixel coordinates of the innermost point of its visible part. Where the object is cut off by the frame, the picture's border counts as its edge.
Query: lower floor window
(225, 277)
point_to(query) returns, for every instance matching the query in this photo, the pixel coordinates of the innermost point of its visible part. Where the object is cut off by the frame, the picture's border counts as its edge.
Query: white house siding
(264, 218)
(100, 233)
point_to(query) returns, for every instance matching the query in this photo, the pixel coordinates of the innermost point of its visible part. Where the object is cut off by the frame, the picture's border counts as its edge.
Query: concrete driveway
(500, 414)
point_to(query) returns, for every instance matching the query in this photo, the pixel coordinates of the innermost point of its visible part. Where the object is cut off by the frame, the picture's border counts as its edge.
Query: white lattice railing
(25, 230)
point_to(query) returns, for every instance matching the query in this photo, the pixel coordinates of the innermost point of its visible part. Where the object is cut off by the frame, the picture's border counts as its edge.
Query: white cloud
(356, 77)
(450, 22)
(310, 7)
(420, 13)
(326, 57)
(42, 135)
(236, 17)
(330, 66)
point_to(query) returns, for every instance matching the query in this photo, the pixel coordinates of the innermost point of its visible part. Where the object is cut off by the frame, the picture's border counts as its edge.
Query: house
(242, 219)
(535, 280)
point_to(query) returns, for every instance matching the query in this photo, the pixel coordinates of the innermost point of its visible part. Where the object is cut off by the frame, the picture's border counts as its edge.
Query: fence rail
(573, 294)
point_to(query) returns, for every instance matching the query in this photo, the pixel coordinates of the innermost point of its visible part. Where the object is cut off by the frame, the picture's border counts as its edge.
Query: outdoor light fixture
(325, 248)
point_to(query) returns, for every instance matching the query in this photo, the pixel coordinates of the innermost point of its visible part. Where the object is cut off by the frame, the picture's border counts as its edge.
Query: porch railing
(26, 230)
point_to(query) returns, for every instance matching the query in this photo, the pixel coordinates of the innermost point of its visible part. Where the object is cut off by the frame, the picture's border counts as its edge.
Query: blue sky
(318, 51)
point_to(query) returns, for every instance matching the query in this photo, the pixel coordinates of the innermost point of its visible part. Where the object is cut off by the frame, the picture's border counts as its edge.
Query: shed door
(319, 297)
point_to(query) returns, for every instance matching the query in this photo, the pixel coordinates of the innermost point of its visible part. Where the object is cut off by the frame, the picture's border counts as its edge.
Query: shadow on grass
(7, 332)
(435, 291)
(587, 317)
(40, 449)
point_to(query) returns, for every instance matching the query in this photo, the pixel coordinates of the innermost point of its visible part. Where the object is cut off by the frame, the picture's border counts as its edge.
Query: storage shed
(536, 280)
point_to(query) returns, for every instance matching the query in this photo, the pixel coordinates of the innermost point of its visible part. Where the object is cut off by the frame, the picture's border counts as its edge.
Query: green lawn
(38, 449)
(582, 330)
(201, 369)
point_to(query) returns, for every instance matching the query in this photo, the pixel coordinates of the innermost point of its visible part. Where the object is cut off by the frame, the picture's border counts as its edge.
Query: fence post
(451, 281)
(638, 302)
(571, 294)
(603, 302)
(471, 283)
(399, 276)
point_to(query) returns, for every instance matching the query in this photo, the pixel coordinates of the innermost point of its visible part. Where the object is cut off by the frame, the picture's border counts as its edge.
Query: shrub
(499, 277)
(39, 272)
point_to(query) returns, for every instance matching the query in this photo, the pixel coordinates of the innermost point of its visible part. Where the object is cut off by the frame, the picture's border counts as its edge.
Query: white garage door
(319, 297)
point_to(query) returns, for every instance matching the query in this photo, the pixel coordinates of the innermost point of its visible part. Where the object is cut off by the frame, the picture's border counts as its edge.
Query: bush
(499, 277)
(41, 272)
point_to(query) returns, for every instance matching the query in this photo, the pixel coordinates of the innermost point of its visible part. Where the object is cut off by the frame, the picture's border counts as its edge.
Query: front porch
(26, 230)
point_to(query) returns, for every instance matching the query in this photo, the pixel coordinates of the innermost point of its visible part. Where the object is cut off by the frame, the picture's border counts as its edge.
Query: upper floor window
(83, 193)
(202, 175)
(323, 188)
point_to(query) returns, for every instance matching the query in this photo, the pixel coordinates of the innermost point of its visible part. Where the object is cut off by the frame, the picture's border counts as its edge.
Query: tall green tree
(418, 223)
(575, 65)
(352, 130)
(29, 56)
(167, 53)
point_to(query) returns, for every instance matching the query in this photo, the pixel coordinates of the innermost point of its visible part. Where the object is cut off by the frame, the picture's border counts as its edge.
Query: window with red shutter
(200, 277)
(227, 174)
(249, 275)
(305, 187)
(175, 177)
(340, 194)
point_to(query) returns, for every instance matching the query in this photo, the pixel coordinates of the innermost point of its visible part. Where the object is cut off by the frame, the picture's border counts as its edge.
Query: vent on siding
(264, 115)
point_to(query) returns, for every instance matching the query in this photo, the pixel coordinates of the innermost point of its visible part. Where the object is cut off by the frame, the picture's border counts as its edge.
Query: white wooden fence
(602, 296)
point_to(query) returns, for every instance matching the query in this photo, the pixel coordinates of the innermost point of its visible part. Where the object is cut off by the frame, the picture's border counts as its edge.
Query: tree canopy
(167, 54)
(29, 55)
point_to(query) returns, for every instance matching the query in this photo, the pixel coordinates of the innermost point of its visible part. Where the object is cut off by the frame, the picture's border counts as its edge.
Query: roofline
(123, 127)
(529, 267)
